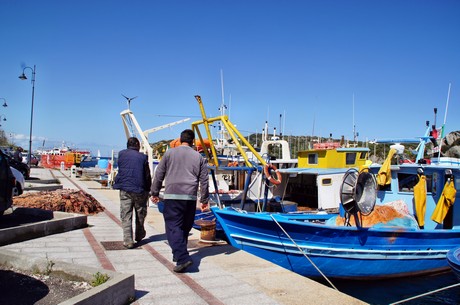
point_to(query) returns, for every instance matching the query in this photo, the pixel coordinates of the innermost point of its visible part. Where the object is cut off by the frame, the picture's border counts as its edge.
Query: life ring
(270, 178)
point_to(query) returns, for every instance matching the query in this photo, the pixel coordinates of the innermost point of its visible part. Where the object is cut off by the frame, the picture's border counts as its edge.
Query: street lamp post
(23, 77)
(4, 118)
(4, 104)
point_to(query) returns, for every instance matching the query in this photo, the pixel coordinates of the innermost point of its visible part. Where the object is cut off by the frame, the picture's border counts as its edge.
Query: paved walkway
(220, 274)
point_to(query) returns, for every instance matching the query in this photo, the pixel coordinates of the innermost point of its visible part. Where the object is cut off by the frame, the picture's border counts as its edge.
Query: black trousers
(179, 216)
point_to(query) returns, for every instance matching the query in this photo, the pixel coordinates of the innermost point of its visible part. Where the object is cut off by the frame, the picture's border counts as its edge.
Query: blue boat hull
(338, 252)
(453, 258)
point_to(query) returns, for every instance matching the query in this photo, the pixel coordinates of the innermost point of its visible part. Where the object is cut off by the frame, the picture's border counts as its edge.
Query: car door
(7, 183)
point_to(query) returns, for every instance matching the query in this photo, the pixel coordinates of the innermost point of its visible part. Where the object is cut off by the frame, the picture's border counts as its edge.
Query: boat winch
(358, 193)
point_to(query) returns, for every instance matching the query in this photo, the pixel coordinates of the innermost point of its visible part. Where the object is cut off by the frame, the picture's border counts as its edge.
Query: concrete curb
(118, 290)
(43, 188)
(53, 222)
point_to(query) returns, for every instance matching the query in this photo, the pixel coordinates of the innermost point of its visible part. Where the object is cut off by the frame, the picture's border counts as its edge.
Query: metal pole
(31, 109)
(31, 118)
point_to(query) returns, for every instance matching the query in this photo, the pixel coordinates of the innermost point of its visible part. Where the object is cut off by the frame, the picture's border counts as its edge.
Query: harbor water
(395, 290)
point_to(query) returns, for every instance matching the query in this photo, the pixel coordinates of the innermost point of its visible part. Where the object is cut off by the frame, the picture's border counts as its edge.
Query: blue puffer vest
(130, 176)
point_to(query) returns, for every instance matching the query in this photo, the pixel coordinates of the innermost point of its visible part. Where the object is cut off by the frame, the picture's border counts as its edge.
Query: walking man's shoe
(140, 235)
(181, 268)
(128, 245)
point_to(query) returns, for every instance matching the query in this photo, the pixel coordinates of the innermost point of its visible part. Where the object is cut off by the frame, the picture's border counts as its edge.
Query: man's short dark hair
(187, 136)
(133, 143)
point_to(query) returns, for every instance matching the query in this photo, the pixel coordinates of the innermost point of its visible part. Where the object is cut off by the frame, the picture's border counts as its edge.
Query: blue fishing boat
(424, 224)
(307, 246)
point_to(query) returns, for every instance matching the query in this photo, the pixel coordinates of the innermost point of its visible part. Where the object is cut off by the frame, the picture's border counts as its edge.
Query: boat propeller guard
(358, 192)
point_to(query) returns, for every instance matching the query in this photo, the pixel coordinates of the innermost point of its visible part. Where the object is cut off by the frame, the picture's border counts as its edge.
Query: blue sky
(304, 60)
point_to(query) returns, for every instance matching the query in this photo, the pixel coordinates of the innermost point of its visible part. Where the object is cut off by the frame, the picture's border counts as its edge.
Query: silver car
(18, 189)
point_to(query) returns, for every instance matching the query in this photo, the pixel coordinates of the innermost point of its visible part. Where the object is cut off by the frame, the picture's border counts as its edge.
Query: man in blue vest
(133, 180)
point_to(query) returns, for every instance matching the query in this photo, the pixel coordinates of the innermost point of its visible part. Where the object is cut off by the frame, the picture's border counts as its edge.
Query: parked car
(33, 159)
(19, 183)
(7, 183)
(22, 167)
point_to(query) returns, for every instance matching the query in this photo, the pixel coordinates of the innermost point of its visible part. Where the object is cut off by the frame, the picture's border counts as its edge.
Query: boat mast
(354, 126)
(444, 124)
(222, 110)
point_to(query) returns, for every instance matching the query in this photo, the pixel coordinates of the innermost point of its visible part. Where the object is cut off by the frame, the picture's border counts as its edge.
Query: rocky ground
(24, 287)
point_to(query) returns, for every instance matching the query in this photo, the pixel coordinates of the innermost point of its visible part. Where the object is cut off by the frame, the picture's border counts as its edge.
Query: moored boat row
(424, 225)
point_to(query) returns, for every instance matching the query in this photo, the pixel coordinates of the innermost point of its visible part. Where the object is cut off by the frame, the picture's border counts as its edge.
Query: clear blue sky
(302, 59)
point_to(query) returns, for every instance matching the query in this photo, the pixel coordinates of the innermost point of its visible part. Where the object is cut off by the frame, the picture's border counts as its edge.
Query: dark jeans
(179, 216)
(128, 202)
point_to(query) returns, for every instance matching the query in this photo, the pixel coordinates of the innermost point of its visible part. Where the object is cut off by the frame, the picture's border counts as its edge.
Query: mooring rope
(304, 254)
(426, 293)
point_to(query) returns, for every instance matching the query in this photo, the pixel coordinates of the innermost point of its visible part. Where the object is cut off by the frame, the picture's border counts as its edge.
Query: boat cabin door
(329, 190)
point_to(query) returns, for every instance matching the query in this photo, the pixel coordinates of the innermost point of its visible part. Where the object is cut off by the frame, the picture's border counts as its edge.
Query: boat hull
(295, 243)
(453, 258)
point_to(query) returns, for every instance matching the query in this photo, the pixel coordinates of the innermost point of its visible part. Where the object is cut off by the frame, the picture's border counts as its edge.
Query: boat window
(385, 188)
(408, 181)
(326, 181)
(350, 158)
(312, 158)
(430, 188)
(363, 155)
(434, 182)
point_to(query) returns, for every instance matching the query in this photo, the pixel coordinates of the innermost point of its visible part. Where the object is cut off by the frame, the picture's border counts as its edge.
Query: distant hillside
(450, 146)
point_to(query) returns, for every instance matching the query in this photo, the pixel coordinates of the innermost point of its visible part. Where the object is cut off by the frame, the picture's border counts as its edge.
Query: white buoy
(73, 171)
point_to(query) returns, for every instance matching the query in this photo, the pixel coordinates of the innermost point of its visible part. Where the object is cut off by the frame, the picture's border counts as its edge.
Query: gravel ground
(23, 287)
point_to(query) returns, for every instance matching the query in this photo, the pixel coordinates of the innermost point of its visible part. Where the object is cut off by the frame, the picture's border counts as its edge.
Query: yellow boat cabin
(331, 156)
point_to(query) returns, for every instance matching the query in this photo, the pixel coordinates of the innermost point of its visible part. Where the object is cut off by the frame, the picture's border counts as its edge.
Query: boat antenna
(265, 132)
(229, 104)
(222, 108)
(354, 126)
(284, 121)
(129, 99)
(281, 130)
(310, 145)
(222, 86)
(444, 124)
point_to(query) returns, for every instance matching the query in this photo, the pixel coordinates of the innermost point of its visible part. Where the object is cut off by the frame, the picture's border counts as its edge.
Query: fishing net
(392, 214)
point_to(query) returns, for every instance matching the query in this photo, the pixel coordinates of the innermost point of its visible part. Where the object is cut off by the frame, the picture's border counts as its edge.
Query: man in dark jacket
(17, 156)
(133, 180)
(183, 169)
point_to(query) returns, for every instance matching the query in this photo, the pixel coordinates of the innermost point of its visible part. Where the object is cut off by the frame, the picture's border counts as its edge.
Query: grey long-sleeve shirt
(183, 169)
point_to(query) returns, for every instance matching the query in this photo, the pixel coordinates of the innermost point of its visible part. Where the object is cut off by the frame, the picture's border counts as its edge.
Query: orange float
(267, 169)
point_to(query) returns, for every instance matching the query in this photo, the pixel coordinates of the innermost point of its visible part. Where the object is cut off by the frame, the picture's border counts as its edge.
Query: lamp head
(23, 76)
(5, 105)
